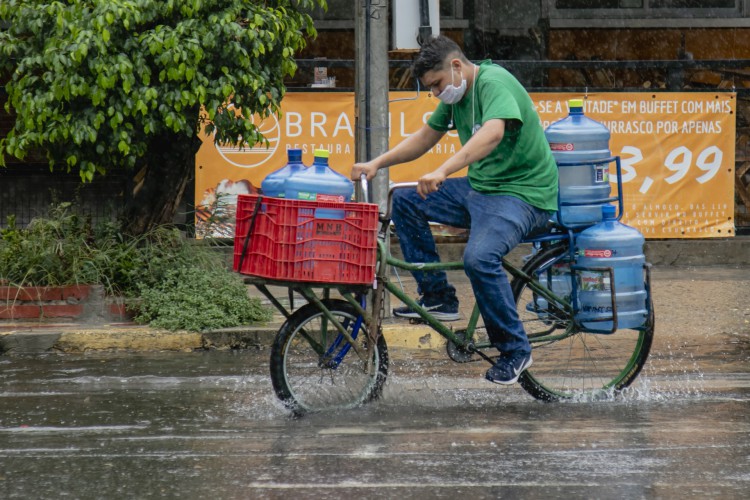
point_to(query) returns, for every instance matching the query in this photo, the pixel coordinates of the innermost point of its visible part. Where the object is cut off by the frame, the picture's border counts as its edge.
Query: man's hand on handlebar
(368, 168)
(429, 183)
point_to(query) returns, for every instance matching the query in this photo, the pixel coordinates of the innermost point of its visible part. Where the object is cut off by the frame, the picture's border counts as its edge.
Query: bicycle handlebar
(394, 187)
(365, 189)
(366, 194)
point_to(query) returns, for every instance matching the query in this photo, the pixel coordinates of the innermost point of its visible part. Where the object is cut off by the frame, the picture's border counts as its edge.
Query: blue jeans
(497, 225)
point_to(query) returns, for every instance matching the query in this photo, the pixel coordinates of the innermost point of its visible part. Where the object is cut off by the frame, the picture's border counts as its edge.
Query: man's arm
(407, 150)
(479, 146)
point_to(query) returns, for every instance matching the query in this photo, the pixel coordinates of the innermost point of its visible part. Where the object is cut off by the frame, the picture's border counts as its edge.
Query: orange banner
(676, 149)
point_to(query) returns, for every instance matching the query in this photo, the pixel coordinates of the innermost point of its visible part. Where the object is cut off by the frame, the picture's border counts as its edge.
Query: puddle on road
(436, 393)
(240, 384)
(428, 381)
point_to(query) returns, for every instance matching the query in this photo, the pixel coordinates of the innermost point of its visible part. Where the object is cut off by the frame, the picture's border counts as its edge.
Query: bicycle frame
(386, 261)
(574, 356)
(440, 327)
(383, 284)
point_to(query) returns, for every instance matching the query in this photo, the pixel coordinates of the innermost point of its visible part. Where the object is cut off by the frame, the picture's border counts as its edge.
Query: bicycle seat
(550, 229)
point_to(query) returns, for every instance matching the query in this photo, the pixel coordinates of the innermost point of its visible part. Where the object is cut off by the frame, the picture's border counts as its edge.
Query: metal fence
(28, 191)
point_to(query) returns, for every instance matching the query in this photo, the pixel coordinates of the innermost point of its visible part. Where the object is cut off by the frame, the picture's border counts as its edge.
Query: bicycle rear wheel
(313, 366)
(569, 364)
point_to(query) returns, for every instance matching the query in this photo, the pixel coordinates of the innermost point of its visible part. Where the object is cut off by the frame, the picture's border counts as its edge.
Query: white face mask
(452, 94)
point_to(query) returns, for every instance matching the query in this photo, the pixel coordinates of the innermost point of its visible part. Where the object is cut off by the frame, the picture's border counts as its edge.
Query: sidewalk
(673, 261)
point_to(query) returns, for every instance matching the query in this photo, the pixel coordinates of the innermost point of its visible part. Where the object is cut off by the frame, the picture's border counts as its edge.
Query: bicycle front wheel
(314, 367)
(570, 364)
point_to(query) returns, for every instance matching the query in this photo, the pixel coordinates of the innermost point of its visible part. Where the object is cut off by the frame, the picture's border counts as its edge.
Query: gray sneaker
(509, 367)
(439, 310)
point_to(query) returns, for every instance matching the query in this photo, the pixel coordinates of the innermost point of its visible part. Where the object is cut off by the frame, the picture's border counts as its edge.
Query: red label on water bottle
(330, 198)
(561, 146)
(600, 254)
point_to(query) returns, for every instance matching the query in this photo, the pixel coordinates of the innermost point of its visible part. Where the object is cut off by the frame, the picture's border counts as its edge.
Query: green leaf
(82, 73)
(87, 175)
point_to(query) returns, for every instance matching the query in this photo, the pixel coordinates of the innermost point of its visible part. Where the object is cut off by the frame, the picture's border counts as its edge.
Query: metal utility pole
(371, 93)
(371, 88)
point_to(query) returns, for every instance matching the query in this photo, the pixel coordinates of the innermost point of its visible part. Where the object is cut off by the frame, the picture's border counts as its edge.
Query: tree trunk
(159, 183)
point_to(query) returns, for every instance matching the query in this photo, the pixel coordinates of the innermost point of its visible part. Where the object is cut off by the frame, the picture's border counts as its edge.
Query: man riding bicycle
(510, 190)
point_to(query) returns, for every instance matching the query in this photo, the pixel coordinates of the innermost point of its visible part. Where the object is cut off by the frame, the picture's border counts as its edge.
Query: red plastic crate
(289, 243)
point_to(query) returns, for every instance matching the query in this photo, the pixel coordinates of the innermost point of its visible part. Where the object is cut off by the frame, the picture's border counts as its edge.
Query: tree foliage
(99, 84)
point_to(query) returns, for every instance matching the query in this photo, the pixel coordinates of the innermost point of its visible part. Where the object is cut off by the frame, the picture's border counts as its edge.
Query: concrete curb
(77, 339)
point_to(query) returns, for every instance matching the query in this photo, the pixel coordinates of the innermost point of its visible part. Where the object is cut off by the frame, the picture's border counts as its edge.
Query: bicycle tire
(305, 373)
(582, 365)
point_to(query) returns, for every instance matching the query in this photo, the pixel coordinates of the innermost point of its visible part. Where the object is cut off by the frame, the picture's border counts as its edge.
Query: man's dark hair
(433, 53)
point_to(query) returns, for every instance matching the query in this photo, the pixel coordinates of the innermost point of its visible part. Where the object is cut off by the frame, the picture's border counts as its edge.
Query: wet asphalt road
(200, 425)
(207, 425)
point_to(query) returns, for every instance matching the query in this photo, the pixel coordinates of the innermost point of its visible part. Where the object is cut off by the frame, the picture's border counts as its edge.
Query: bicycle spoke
(313, 367)
(572, 364)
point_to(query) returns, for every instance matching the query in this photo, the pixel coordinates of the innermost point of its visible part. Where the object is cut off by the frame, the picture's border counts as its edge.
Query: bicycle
(331, 353)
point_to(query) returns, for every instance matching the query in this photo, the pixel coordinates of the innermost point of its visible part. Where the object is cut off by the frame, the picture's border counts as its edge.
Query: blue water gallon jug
(611, 244)
(559, 281)
(273, 184)
(578, 138)
(320, 183)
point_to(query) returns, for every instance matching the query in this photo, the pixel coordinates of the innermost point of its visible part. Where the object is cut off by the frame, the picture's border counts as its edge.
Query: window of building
(652, 4)
(341, 14)
(647, 13)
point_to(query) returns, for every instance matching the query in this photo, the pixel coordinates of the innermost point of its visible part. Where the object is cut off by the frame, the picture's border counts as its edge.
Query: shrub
(50, 251)
(129, 263)
(179, 283)
(191, 298)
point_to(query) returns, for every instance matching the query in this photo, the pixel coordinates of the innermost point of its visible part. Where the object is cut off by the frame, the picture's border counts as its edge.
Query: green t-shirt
(522, 164)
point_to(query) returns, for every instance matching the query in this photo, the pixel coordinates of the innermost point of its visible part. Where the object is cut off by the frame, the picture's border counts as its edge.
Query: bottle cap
(294, 154)
(575, 106)
(608, 212)
(321, 153)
